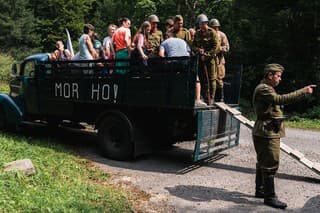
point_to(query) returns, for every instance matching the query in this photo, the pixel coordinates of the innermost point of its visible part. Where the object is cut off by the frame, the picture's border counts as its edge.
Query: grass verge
(304, 123)
(63, 182)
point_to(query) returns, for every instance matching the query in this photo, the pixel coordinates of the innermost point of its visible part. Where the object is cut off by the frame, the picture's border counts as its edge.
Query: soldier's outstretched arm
(270, 96)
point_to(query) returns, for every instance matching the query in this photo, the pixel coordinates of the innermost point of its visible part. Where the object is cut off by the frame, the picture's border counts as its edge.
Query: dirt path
(222, 184)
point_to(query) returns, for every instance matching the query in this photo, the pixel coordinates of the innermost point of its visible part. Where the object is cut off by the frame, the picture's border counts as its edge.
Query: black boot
(221, 95)
(259, 183)
(270, 197)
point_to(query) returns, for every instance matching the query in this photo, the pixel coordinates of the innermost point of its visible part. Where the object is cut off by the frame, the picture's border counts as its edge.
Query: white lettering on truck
(66, 90)
(98, 91)
(103, 92)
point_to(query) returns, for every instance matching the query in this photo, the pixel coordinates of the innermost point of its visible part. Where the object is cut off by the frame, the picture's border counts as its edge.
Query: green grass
(63, 182)
(304, 123)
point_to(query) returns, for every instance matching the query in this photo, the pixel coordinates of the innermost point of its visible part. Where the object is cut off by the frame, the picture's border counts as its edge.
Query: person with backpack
(60, 54)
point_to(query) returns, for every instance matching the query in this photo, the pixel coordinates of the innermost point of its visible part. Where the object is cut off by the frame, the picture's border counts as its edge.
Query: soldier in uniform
(224, 48)
(206, 44)
(178, 30)
(155, 37)
(268, 129)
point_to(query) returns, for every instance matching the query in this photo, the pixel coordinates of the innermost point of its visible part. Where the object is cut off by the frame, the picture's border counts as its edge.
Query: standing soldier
(206, 44)
(155, 37)
(178, 30)
(224, 48)
(268, 129)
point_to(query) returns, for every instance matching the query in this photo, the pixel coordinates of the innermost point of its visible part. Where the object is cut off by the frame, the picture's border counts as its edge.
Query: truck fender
(12, 112)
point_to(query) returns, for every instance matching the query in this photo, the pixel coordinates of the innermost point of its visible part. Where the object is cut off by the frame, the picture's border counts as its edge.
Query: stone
(24, 165)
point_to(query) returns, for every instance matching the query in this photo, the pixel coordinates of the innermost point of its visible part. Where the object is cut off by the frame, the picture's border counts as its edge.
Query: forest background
(259, 32)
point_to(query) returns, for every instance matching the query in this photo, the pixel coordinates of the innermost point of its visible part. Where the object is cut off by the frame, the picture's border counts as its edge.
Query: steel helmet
(153, 18)
(202, 18)
(214, 23)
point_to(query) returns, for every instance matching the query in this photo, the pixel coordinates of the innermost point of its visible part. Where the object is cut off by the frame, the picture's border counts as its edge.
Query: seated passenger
(176, 47)
(60, 54)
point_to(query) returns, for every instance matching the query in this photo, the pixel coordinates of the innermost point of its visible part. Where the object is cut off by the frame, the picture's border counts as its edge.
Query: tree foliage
(260, 32)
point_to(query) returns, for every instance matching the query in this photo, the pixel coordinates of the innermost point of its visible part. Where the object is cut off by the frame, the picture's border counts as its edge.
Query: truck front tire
(115, 134)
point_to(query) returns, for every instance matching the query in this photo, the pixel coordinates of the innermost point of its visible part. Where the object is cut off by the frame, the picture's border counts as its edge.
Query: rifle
(202, 58)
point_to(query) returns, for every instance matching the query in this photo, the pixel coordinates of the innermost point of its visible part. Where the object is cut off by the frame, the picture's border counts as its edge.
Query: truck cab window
(29, 69)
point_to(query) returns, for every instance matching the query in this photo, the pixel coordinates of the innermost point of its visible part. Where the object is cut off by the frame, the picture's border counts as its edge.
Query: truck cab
(150, 104)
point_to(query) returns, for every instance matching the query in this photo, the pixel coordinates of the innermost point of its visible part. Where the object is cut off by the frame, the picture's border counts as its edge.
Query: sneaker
(200, 103)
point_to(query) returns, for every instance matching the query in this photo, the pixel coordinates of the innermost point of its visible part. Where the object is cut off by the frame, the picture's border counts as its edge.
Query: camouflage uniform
(154, 41)
(208, 41)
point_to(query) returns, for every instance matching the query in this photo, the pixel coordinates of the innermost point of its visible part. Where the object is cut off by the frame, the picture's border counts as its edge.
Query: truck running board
(291, 152)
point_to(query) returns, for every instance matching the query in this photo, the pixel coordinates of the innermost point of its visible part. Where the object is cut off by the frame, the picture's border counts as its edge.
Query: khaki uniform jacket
(224, 47)
(266, 104)
(209, 41)
(154, 41)
(182, 34)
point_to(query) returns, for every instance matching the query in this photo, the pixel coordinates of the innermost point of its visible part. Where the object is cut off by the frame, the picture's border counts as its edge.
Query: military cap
(273, 68)
(153, 18)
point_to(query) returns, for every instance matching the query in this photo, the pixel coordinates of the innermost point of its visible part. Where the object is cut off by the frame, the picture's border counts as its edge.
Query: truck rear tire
(2, 119)
(115, 135)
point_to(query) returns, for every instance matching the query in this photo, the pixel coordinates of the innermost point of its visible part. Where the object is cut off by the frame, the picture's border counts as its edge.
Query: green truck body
(149, 105)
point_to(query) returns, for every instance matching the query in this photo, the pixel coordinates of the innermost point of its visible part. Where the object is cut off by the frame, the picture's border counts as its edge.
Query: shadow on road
(206, 194)
(247, 203)
(312, 205)
(252, 171)
(176, 160)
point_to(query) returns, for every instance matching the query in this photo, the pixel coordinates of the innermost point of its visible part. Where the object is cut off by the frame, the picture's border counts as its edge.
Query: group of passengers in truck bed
(206, 41)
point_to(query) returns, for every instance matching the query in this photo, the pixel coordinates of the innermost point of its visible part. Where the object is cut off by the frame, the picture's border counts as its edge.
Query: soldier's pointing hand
(309, 89)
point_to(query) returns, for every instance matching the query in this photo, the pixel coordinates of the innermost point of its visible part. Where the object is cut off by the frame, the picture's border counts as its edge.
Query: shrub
(313, 113)
(6, 62)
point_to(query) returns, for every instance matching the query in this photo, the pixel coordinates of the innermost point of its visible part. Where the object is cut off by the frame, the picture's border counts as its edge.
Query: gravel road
(224, 183)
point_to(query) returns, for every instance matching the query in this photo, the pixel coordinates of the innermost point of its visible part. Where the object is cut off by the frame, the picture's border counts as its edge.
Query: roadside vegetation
(4, 87)
(63, 182)
(6, 62)
(309, 120)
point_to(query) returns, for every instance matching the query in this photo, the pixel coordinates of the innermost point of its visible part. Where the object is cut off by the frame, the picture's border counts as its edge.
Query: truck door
(29, 87)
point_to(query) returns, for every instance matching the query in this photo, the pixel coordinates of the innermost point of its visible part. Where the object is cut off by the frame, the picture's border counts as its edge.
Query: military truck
(151, 104)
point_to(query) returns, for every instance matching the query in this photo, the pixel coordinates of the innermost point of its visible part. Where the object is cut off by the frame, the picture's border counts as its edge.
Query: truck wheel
(2, 119)
(115, 135)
